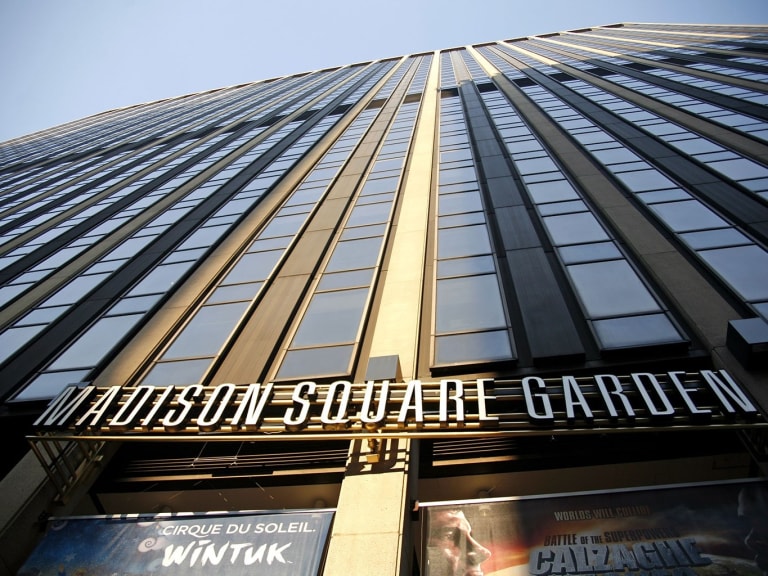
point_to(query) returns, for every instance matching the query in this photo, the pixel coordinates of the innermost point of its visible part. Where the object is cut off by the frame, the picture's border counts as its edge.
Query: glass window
(313, 362)
(60, 257)
(645, 180)
(136, 304)
(455, 155)
(574, 229)
(41, 316)
(235, 207)
(520, 146)
(474, 347)
(462, 219)
(745, 268)
(453, 140)
(305, 195)
(376, 198)
(460, 187)
(207, 331)
(322, 173)
(332, 317)
(129, 248)
(664, 196)
(552, 191)
(49, 385)
(719, 238)
(182, 373)
(262, 245)
(364, 231)
(384, 165)
(369, 214)
(184, 255)
(554, 208)
(353, 254)
(379, 185)
(688, 215)
(94, 343)
(589, 252)
(611, 288)
(536, 165)
(7, 293)
(646, 330)
(161, 279)
(346, 279)
(465, 266)
(739, 168)
(460, 202)
(14, 338)
(593, 137)
(468, 303)
(234, 293)
(75, 290)
(542, 177)
(615, 156)
(203, 237)
(457, 175)
(253, 266)
(283, 226)
(464, 241)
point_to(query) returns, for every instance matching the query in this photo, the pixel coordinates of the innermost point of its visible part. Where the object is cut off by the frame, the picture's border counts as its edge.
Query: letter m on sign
(64, 406)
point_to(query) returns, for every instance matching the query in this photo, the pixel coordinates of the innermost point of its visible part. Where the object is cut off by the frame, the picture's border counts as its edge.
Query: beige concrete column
(371, 523)
(371, 517)
(398, 318)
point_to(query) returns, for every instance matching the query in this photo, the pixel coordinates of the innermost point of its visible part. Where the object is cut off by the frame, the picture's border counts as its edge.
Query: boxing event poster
(283, 544)
(715, 529)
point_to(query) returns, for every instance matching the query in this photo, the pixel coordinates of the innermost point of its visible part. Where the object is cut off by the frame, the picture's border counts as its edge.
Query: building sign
(528, 405)
(696, 530)
(288, 544)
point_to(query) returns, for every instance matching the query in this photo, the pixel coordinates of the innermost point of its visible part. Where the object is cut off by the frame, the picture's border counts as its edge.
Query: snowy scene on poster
(274, 544)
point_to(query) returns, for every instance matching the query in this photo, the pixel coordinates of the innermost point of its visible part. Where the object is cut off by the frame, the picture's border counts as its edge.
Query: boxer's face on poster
(452, 549)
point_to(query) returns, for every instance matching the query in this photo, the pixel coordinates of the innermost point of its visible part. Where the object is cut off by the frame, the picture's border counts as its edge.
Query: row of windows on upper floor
(101, 133)
(737, 121)
(342, 290)
(192, 112)
(690, 47)
(470, 320)
(137, 122)
(732, 254)
(461, 271)
(143, 199)
(257, 106)
(651, 44)
(123, 316)
(685, 79)
(91, 170)
(78, 245)
(555, 199)
(690, 34)
(704, 83)
(179, 179)
(134, 305)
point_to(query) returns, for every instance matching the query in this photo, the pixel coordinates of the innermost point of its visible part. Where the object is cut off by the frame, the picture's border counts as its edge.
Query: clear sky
(66, 59)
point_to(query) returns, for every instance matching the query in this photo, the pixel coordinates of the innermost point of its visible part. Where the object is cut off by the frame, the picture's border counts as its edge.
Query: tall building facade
(385, 304)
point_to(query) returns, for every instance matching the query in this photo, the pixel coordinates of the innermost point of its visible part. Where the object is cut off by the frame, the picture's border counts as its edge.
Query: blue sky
(66, 59)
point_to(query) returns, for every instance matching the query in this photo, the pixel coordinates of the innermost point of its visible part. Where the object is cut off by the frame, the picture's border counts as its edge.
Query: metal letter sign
(341, 409)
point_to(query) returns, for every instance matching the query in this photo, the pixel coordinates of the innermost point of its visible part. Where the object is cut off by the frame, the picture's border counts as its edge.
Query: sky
(66, 59)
